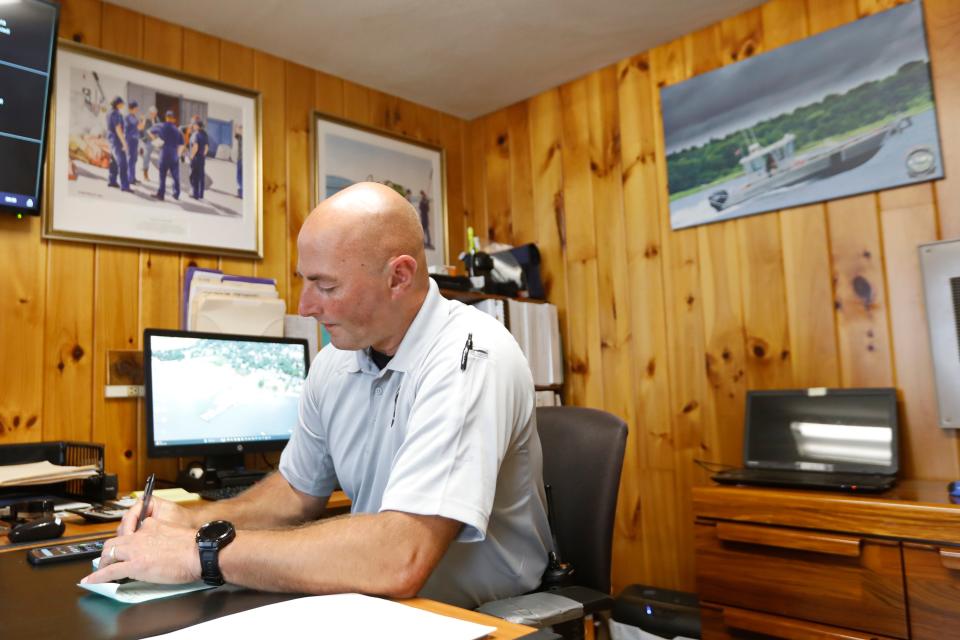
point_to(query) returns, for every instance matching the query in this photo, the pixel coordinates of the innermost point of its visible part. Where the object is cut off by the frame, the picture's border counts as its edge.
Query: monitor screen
(213, 394)
(839, 430)
(28, 37)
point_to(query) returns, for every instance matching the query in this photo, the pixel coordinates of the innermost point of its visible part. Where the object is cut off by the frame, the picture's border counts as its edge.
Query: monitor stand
(218, 471)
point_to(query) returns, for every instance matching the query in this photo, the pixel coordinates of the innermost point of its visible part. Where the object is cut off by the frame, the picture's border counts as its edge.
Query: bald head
(371, 222)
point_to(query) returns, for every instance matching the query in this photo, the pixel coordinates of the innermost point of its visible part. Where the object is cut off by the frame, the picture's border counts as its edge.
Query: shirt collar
(424, 326)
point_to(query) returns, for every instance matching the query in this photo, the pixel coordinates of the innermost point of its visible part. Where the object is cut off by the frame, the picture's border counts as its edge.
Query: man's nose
(309, 303)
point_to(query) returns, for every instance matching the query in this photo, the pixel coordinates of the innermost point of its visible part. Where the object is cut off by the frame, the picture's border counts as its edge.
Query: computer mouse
(42, 529)
(954, 488)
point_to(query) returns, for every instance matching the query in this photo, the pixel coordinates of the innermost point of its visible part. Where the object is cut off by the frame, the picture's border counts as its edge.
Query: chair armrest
(591, 600)
(540, 609)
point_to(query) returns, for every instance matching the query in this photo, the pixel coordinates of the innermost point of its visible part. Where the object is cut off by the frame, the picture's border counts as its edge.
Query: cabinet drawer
(933, 591)
(730, 623)
(849, 582)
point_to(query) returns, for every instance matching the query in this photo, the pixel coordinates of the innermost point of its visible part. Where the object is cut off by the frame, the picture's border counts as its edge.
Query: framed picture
(345, 153)
(845, 112)
(144, 156)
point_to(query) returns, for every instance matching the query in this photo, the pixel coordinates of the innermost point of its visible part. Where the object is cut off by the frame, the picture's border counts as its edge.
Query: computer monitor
(28, 38)
(218, 396)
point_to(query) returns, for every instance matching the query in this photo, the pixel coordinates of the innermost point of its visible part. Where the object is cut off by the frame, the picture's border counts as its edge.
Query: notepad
(173, 495)
(139, 591)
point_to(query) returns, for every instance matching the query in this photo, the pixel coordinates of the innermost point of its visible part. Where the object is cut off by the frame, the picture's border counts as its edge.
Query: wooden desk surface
(913, 510)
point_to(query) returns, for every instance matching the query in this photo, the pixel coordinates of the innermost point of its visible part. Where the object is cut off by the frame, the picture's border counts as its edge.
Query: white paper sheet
(346, 615)
(137, 591)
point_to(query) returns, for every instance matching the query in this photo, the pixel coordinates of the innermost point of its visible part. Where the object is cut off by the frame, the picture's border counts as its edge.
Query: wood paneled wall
(64, 305)
(669, 329)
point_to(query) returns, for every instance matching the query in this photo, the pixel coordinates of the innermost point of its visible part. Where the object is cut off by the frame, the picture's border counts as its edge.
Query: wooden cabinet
(933, 588)
(795, 565)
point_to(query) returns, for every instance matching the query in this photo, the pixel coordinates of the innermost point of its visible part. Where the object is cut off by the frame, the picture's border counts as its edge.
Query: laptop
(835, 439)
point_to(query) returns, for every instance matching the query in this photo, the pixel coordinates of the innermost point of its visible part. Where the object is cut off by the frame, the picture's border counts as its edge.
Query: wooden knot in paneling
(651, 251)
(651, 367)
(758, 347)
(864, 291)
(560, 217)
(578, 366)
(76, 353)
(690, 407)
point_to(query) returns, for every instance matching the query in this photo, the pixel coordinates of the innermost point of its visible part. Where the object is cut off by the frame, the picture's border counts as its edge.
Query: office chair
(582, 459)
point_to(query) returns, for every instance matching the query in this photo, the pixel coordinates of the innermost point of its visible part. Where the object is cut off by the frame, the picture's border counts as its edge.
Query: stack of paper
(14, 475)
(537, 330)
(219, 303)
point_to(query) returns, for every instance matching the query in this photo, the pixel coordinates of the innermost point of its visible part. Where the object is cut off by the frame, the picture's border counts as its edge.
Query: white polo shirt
(423, 436)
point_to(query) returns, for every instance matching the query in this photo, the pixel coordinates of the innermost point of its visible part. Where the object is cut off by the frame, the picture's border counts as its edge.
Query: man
(118, 147)
(172, 147)
(132, 127)
(239, 136)
(151, 120)
(199, 143)
(421, 408)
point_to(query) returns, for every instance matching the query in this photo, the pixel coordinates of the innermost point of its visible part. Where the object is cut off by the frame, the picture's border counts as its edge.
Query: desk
(44, 602)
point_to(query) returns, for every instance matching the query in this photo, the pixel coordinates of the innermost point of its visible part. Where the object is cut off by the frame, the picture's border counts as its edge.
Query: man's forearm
(389, 554)
(271, 503)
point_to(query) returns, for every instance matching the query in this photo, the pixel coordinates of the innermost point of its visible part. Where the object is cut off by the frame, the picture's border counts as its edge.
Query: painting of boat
(845, 112)
(777, 165)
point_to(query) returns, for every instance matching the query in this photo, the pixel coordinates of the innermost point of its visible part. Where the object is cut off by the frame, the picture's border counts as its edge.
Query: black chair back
(582, 459)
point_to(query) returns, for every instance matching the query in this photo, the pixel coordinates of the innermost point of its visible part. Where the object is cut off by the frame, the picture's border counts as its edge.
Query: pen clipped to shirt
(147, 493)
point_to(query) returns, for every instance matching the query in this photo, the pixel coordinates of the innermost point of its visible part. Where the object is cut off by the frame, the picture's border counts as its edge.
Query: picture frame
(106, 189)
(844, 112)
(344, 153)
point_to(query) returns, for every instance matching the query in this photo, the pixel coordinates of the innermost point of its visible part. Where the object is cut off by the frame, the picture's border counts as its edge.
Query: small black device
(211, 538)
(662, 612)
(28, 39)
(835, 439)
(41, 529)
(65, 552)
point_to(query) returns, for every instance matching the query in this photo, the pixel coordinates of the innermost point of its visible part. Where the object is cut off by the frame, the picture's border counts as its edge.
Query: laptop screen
(834, 430)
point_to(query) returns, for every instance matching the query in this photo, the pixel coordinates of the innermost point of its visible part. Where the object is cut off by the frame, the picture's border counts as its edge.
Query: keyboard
(811, 479)
(222, 493)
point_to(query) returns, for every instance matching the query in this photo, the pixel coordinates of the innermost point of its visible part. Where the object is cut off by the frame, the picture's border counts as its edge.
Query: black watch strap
(211, 538)
(210, 565)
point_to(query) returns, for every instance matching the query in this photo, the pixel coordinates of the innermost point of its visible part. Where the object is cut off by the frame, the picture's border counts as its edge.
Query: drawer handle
(785, 628)
(950, 559)
(790, 539)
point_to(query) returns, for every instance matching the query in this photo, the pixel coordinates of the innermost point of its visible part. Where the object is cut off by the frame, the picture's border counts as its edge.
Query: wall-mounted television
(28, 42)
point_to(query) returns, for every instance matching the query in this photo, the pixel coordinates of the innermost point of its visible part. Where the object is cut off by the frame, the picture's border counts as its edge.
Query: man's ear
(403, 270)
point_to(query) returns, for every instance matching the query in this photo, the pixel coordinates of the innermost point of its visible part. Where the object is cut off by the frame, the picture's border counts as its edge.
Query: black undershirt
(379, 359)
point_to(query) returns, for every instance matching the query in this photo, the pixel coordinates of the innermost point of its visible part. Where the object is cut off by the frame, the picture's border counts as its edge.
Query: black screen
(28, 31)
(846, 430)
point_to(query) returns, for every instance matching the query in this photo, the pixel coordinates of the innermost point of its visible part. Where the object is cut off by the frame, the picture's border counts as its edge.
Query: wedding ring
(113, 554)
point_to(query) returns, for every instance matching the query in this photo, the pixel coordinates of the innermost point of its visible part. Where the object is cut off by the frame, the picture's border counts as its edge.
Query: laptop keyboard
(802, 478)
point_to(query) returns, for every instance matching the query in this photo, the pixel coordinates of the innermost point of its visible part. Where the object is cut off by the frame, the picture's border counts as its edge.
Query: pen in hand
(147, 492)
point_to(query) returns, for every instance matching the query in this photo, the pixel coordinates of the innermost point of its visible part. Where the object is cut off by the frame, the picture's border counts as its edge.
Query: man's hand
(159, 552)
(169, 512)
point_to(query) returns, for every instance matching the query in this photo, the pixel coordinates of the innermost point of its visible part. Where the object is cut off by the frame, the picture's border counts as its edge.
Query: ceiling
(463, 57)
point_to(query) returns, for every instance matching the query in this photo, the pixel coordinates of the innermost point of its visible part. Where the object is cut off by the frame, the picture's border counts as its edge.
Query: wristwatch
(211, 538)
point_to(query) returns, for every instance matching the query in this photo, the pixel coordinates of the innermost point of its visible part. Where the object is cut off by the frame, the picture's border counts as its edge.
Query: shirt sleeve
(458, 432)
(305, 462)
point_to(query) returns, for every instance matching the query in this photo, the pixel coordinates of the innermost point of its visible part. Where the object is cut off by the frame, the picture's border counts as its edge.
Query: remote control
(64, 552)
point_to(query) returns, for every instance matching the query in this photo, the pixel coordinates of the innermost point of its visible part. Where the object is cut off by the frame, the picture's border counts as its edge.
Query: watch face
(215, 530)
